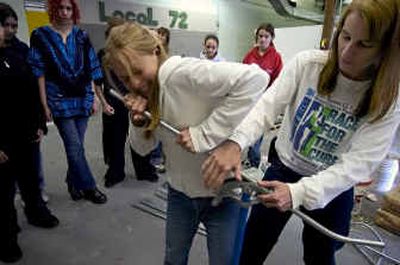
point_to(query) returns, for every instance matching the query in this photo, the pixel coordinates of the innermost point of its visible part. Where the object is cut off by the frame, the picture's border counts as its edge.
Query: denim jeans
(72, 131)
(253, 154)
(156, 156)
(183, 217)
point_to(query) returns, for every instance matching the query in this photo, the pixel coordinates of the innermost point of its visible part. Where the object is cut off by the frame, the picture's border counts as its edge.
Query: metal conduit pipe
(170, 128)
(298, 213)
(334, 235)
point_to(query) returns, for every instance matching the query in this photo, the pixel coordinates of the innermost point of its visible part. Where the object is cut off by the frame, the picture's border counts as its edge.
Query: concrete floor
(116, 233)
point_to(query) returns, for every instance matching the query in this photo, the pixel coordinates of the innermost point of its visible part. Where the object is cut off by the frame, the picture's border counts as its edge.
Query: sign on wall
(149, 15)
(36, 15)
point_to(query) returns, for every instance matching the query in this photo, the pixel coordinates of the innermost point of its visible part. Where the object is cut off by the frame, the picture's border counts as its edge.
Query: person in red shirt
(264, 53)
(268, 58)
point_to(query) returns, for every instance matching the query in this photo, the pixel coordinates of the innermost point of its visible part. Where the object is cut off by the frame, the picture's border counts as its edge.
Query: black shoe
(10, 251)
(75, 194)
(151, 178)
(95, 196)
(111, 179)
(18, 228)
(41, 218)
(108, 183)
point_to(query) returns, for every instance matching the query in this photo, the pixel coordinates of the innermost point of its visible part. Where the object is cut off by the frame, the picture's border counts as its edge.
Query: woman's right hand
(108, 109)
(137, 105)
(3, 157)
(222, 161)
(47, 113)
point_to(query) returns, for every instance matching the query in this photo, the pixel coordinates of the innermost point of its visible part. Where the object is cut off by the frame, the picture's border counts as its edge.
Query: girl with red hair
(54, 6)
(68, 72)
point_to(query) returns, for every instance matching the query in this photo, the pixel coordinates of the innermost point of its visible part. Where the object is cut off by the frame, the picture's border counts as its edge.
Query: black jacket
(21, 114)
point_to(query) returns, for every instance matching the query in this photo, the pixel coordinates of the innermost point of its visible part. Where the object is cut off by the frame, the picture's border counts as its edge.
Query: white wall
(18, 6)
(238, 19)
(289, 41)
(236, 22)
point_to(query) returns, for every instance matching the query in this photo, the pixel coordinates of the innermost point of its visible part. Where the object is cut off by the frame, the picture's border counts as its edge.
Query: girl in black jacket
(22, 126)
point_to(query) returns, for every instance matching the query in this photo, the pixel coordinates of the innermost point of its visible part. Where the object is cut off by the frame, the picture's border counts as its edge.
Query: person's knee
(75, 150)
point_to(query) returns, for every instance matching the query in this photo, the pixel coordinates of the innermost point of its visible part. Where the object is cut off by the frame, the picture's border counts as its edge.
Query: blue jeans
(253, 154)
(183, 217)
(156, 156)
(72, 131)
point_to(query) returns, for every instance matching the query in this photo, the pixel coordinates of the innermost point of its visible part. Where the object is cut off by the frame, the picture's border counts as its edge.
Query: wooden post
(329, 20)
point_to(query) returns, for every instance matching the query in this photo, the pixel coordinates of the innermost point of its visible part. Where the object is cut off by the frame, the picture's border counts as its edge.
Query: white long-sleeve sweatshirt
(211, 99)
(320, 136)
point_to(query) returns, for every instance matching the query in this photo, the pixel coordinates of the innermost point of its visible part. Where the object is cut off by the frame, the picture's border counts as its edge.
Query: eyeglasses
(211, 47)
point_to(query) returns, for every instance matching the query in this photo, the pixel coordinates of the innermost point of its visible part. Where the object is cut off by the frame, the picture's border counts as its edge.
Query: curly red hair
(53, 6)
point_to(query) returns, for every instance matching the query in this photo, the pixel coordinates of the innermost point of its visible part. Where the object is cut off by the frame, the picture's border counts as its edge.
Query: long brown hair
(165, 32)
(139, 39)
(383, 20)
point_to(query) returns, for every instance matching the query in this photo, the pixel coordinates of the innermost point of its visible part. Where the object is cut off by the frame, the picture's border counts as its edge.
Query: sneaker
(160, 168)
(95, 196)
(45, 196)
(246, 164)
(41, 218)
(10, 251)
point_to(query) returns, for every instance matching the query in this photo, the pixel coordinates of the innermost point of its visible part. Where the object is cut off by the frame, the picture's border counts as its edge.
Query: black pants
(266, 224)
(21, 169)
(143, 168)
(115, 132)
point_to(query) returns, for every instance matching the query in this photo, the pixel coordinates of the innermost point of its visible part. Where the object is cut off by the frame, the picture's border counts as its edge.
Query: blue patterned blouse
(68, 70)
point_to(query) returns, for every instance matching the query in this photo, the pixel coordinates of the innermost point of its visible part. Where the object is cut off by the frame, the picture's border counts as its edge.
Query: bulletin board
(36, 18)
(36, 14)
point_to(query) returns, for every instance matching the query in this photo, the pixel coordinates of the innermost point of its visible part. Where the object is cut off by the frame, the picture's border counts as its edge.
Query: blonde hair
(383, 20)
(113, 22)
(132, 36)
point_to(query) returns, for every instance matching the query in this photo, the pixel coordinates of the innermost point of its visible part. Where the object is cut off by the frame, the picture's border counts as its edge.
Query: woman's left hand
(137, 105)
(3, 157)
(95, 106)
(280, 198)
(184, 140)
(39, 136)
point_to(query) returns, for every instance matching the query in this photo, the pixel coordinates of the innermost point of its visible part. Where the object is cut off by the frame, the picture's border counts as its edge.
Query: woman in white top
(341, 112)
(205, 101)
(210, 49)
